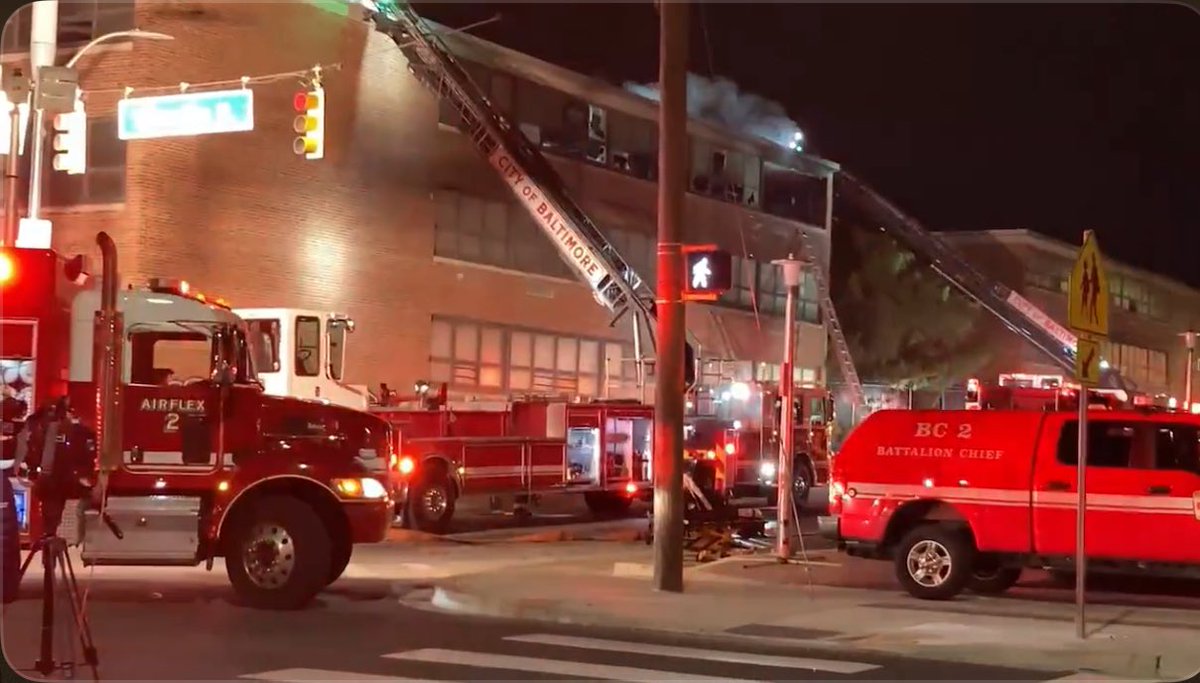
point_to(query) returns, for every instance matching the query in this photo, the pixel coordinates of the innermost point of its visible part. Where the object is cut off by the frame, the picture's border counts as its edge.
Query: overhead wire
(301, 75)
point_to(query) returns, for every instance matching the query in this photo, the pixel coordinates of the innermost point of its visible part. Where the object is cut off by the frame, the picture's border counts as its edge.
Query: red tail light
(407, 465)
(631, 488)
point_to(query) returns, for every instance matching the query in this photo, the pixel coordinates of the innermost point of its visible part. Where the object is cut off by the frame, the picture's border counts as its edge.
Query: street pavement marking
(553, 667)
(324, 675)
(783, 662)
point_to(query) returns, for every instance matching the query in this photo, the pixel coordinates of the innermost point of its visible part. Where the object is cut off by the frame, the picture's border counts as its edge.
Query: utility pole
(787, 412)
(16, 88)
(671, 329)
(43, 48)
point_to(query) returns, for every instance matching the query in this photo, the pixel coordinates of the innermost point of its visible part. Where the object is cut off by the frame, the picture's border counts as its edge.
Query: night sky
(1051, 118)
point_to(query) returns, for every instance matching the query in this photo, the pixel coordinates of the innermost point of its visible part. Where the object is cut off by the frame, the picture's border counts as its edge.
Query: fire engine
(966, 499)
(208, 464)
(737, 425)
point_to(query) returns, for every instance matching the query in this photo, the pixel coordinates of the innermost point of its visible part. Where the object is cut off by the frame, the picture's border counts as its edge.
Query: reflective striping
(1100, 502)
(781, 662)
(320, 675)
(553, 667)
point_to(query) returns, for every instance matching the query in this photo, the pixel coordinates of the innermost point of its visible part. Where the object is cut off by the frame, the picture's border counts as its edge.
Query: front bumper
(369, 521)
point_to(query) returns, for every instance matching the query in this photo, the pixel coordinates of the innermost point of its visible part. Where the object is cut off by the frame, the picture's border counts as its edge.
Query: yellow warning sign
(1087, 307)
(1087, 362)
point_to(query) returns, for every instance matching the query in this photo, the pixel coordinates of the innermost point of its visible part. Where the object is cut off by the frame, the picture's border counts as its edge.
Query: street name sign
(186, 114)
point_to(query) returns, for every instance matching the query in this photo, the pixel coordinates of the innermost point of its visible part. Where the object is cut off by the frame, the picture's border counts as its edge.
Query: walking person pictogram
(1093, 304)
(1086, 286)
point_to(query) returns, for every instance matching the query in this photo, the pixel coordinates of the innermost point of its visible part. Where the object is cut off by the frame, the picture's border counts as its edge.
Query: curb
(1123, 666)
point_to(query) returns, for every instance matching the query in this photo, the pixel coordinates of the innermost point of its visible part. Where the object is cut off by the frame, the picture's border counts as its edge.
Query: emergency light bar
(161, 285)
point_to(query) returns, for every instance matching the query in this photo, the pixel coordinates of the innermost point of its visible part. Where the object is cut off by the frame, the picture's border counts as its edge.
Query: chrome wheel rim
(434, 502)
(929, 563)
(269, 556)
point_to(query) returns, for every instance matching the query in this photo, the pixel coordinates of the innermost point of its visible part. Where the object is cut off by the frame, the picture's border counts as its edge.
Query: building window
(554, 364)
(466, 354)
(1132, 296)
(1145, 367)
(79, 21)
(472, 229)
(104, 181)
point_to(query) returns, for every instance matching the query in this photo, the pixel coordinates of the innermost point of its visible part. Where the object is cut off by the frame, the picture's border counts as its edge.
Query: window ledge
(112, 207)
(507, 271)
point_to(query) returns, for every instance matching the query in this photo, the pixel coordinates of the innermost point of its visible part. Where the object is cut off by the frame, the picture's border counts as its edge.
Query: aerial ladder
(534, 182)
(1015, 311)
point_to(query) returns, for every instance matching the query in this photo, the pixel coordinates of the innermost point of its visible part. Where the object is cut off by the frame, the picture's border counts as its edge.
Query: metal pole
(787, 413)
(669, 383)
(43, 45)
(11, 171)
(1080, 517)
(1189, 338)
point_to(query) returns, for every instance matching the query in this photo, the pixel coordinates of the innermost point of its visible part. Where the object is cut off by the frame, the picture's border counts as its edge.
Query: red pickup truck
(967, 499)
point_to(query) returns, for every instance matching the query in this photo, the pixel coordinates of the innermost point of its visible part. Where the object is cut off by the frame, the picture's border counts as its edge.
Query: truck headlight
(767, 470)
(360, 489)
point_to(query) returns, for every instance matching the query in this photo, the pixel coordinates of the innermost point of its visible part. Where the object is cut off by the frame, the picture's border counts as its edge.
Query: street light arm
(132, 33)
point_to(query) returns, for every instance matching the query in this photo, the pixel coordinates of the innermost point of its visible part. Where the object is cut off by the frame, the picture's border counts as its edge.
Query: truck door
(1174, 493)
(1131, 514)
(170, 403)
(306, 337)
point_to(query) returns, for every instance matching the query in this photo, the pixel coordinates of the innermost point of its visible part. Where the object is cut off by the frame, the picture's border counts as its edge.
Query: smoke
(721, 102)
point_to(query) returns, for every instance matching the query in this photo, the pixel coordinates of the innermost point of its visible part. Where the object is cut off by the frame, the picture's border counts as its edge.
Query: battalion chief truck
(210, 465)
(966, 499)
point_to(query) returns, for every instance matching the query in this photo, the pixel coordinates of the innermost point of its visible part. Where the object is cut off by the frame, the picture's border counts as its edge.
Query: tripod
(54, 552)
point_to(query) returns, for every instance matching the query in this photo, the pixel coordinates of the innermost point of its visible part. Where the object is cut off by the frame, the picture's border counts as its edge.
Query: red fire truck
(737, 424)
(209, 464)
(966, 499)
(1028, 391)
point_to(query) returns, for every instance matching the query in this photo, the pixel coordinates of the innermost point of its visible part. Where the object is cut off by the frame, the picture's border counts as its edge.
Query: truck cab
(208, 462)
(302, 353)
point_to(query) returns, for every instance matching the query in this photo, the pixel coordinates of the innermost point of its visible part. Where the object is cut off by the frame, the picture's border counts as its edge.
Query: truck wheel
(339, 560)
(802, 480)
(934, 562)
(278, 555)
(606, 504)
(431, 502)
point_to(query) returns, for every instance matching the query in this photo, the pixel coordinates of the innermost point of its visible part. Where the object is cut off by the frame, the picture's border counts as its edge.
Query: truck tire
(607, 504)
(802, 481)
(339, 560)
(431, 501)
(934, 561)
(278, 554)
(991, 577)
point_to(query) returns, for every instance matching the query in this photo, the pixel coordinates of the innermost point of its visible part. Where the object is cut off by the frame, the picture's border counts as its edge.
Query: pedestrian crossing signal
(310, 123)
(708, 272)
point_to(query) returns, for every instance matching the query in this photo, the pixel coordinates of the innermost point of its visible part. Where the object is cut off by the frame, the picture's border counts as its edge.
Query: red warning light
(7, 268)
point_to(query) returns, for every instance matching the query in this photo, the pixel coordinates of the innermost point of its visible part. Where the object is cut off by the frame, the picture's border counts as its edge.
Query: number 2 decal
(171, 423)
(964, 431)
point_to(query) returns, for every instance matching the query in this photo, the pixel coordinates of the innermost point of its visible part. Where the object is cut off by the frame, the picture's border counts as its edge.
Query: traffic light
(70, 141)
(708, 272)
(310, 123)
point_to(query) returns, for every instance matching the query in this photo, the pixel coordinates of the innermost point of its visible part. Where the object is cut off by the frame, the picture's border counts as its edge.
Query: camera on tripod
(56, 454)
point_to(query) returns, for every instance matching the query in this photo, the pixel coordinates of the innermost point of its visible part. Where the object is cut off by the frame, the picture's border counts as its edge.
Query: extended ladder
(1016, 312)
(534, 182)
(841, 350)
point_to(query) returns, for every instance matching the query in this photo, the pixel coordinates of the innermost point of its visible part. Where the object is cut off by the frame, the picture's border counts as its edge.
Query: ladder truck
(538, 187)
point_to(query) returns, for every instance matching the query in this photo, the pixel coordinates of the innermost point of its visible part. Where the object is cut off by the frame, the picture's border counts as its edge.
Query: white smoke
(721, 102)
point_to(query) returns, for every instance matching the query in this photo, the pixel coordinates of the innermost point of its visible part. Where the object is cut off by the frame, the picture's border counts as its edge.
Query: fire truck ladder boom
(841, 350)
(521, 165)
(1015, 312)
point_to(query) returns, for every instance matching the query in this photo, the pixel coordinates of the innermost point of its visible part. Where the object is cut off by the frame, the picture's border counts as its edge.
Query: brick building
(1147, 311)
(402, 225)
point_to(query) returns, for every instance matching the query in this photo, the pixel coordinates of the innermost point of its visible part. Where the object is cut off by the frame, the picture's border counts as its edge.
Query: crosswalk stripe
(832, 666)
(548, 666)
(325, 676)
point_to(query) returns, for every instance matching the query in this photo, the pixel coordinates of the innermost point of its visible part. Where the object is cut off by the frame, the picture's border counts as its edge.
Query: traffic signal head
(310, 123)
(70, 141)
(708, 272)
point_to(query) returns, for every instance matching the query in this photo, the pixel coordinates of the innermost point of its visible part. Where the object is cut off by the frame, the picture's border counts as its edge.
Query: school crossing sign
(1087, 309)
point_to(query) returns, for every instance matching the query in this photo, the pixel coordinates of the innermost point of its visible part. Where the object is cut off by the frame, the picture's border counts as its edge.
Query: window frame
(297, 364)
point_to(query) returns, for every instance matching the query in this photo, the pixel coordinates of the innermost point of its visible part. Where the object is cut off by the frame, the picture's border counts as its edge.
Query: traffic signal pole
(671, 329)
(43, 47)
(787, 421)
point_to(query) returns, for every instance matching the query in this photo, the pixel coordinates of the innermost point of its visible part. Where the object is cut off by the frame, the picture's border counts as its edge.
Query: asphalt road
(361, 631)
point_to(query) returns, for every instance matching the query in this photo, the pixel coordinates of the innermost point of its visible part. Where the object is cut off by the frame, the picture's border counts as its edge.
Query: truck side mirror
(224, 375)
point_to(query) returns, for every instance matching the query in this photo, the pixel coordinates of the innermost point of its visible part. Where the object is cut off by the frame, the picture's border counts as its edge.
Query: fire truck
(205, 464)
(736, 424)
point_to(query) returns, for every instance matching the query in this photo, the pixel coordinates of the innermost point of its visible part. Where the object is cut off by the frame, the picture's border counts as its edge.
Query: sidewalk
(1127, 642)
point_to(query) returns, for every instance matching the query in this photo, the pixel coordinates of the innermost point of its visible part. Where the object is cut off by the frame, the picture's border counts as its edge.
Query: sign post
(1087, 314)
